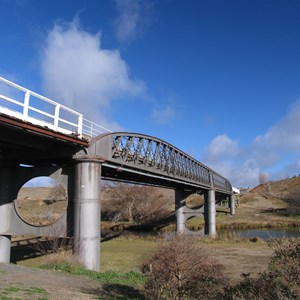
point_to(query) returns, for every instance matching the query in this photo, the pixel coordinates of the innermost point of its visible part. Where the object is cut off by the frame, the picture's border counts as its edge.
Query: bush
(285, 262)
(181, 269)
(280, 281)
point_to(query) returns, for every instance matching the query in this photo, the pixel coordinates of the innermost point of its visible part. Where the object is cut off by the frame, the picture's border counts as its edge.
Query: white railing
(21, 103)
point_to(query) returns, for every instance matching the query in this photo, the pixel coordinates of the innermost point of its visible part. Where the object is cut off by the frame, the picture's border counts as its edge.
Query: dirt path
(26, 283)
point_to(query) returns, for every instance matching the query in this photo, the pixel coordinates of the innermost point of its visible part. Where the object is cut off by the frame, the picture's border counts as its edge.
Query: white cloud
(274, 153)
(79, 72)
(133, 17)
(164, 115)
(285, 135)
(222, 146)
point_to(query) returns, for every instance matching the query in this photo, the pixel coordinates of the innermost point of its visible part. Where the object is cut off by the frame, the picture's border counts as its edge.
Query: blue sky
(219, 79)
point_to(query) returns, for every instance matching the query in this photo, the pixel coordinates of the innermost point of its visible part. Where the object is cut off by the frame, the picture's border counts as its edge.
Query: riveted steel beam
(149, 156)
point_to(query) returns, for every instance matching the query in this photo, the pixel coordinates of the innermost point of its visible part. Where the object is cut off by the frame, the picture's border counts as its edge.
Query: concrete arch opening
(194, 201)
(195, 224)
(41, 201)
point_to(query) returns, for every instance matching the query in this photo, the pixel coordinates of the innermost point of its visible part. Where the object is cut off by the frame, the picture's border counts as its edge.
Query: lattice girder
(156, 157)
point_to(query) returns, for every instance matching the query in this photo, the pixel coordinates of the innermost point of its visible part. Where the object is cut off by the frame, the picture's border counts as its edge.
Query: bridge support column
(184, 213)
(6, 198)
(210, 213)
(179, 211)
(87, 211)
(5, 246)
(232, 204)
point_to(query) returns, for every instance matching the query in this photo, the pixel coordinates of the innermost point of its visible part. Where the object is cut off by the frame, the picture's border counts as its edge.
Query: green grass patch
(15, 293)
(109, 277)
(125, 254)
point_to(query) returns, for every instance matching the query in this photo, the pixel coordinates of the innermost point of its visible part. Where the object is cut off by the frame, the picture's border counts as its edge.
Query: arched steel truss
(154, 156)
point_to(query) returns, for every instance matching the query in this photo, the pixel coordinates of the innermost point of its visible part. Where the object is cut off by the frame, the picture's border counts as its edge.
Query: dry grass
(41, 206)
(125, 254)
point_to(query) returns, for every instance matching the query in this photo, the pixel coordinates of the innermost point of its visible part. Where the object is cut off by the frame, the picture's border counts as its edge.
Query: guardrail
(22, 103)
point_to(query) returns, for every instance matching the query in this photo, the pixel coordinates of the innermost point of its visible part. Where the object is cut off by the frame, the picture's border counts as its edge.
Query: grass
(110, 277)
(125, 254)
(22, 293)
(121, 257)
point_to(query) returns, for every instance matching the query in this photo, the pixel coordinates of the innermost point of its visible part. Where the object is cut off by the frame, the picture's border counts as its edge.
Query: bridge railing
(22, 103)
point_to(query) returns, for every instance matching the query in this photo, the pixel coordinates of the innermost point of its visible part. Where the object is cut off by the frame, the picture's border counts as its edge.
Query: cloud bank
(275, 153)
(78, 72)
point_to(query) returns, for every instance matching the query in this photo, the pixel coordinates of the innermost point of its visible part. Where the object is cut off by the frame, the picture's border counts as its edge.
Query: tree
(263, 179)
(128, 202)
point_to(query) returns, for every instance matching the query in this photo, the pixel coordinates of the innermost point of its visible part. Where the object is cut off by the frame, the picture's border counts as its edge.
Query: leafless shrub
(285, 262)
(55, 243)
(56, 193)
(280, 281)
(181, 269)
(140, 204)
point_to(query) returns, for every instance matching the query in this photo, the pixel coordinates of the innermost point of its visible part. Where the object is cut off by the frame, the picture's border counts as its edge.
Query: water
(243, 233)
(267, 233)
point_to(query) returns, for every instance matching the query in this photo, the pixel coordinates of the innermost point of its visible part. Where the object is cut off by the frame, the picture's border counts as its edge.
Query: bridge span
(37, 143)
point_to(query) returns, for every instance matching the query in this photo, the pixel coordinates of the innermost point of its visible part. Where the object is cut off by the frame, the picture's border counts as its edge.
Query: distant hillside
(281, 188)
(273, 204)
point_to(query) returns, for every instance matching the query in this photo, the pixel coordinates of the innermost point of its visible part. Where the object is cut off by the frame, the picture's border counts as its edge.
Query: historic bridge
(40, 137)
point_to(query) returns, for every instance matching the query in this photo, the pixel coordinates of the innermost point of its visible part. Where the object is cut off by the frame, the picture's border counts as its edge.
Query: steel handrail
(83, 128)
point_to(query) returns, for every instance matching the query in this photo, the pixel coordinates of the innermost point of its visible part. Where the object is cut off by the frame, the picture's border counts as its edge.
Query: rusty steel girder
(149, 155)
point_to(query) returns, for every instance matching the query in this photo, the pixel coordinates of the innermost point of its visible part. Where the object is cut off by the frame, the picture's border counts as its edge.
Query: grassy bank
(124, 254)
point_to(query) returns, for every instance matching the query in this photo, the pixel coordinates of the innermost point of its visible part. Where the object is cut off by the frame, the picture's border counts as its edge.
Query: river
(266, 233)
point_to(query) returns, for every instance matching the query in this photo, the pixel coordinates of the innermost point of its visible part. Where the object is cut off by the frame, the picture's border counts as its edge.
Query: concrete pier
(179, 211)
(210, 213)
(6, 197)
(87, 212)
(5, 246)
(232, 204)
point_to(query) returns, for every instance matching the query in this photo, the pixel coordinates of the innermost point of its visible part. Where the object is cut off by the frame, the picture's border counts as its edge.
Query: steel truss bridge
(136, 157)
(41, 137)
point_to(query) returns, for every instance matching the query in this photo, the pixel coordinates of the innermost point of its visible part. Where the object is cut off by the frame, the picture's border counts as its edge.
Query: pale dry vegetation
(133, 203)
(41, 205)
(182, 269)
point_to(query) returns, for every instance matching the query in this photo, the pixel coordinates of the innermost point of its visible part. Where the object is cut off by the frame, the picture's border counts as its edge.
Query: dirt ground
(27, 283)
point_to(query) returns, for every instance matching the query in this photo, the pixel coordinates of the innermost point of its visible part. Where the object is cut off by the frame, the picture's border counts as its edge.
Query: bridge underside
(24, 143)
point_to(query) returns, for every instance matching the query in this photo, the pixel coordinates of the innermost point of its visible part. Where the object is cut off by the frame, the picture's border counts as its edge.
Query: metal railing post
(80, 124)
(26, 105)
(56, 116)
(92, 129)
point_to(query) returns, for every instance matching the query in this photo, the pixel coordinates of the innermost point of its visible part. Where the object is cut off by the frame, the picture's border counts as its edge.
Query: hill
(273, 204)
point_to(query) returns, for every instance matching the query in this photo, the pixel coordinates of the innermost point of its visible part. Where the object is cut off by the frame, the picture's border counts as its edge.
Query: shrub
(285, 262)
(181, 269)
(280, 281)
